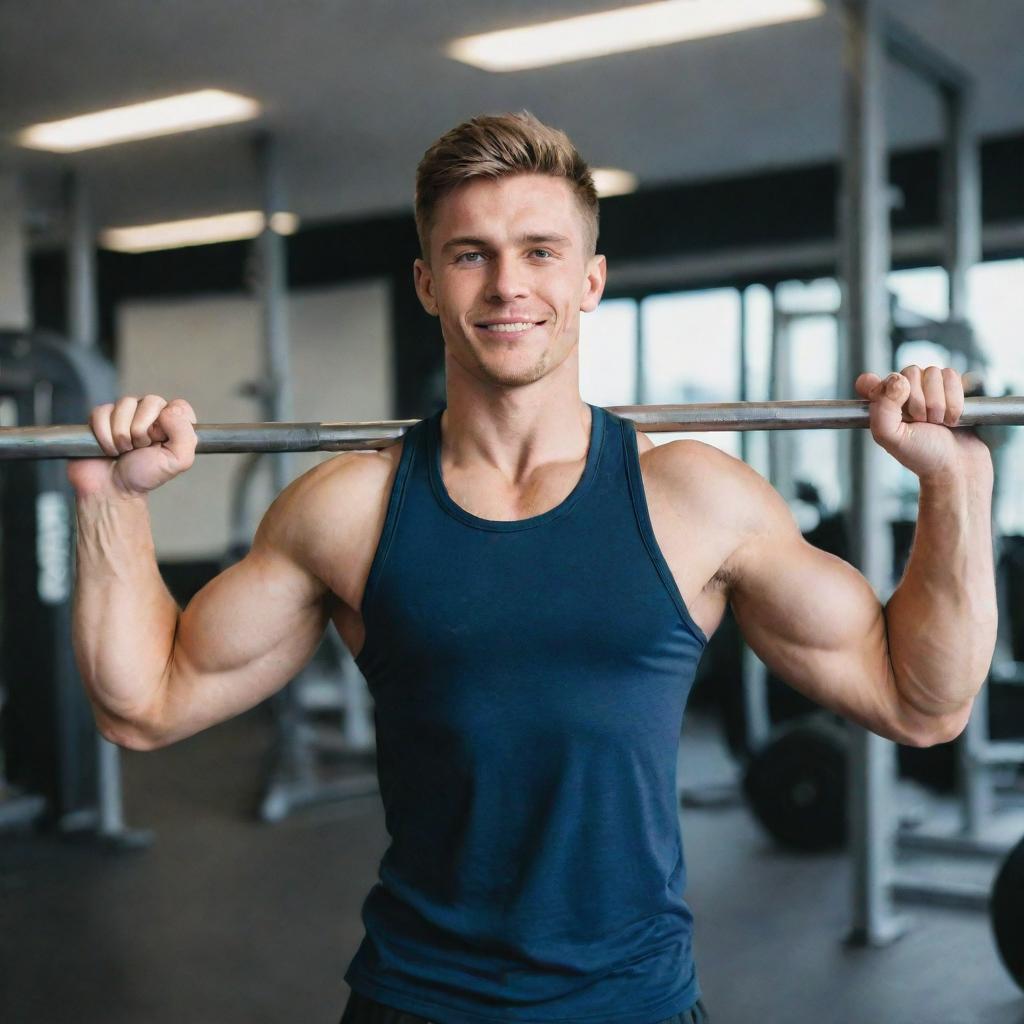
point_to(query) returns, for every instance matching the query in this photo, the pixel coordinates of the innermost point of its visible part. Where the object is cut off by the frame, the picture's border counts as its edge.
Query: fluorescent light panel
(611, 181)
(175, 234)
(623, 29)
(166, 116)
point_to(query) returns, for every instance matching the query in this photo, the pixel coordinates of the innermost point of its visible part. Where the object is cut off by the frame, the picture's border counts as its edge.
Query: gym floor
(224, 920)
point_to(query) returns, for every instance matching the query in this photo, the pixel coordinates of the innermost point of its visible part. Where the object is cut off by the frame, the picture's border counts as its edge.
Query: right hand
(149, 441)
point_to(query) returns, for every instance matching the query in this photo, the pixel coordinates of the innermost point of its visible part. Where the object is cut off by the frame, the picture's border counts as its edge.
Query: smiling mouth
(519, 327)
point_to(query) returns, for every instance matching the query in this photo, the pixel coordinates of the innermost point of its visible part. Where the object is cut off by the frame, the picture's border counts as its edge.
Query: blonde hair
(497, 146)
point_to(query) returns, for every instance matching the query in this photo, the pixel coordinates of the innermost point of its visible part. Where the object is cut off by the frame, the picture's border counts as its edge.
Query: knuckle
(101, 414)
(184, 405)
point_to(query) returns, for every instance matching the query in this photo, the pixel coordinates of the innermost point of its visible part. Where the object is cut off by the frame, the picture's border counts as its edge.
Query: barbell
(74, 442)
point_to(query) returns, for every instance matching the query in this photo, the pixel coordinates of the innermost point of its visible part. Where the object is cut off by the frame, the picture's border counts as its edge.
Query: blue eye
(542, 252)
(463, 257)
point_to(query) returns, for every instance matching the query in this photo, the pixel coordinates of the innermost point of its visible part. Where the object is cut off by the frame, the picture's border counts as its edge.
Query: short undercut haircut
(498, 146)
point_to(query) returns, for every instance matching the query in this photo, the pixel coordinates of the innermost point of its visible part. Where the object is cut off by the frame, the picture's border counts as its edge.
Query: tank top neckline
(444, 499)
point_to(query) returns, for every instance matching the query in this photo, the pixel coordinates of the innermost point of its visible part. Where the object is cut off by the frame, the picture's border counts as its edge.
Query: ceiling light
(622, 29)
(166, 116)
(610, 181)
(174, 234)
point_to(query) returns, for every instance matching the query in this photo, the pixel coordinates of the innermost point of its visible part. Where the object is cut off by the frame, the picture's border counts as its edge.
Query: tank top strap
(634, 478)
(413, 454)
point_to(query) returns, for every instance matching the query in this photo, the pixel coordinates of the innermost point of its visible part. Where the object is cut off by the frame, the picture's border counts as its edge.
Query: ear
(597, 274)
(424, 281)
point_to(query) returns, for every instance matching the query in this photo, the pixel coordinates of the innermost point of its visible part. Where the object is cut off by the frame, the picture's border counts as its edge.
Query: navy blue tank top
(529, 680)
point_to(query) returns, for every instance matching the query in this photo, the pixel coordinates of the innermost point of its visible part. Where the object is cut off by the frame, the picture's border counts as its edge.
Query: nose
(507, 280)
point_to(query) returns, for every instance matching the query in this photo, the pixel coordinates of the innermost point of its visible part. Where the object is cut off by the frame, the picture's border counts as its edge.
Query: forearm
(124, 620)
(941, 619)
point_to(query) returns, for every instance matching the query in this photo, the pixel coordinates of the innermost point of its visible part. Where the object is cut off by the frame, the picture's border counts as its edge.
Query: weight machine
(56, 767)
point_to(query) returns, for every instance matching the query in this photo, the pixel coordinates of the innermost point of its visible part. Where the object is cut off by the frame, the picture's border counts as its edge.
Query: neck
(515, 429)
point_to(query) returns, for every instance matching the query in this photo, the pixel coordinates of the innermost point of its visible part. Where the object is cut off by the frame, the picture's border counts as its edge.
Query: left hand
(911, 416)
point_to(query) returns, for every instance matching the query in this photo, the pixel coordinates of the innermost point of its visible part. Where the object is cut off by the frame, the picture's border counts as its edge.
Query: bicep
(814, 620)
(241, 638)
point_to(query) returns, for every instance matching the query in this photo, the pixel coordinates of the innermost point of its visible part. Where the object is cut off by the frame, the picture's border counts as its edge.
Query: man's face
(508, 276)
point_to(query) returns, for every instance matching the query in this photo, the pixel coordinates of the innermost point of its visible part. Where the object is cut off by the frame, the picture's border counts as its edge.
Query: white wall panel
(205, 348)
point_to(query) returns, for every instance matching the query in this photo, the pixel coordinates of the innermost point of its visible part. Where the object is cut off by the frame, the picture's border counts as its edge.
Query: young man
(527, 584)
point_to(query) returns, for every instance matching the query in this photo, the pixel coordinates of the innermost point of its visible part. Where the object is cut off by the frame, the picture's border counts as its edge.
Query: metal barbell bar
(71, 442)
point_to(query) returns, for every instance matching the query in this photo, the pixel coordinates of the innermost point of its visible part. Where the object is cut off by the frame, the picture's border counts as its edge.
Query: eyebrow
(481, 243)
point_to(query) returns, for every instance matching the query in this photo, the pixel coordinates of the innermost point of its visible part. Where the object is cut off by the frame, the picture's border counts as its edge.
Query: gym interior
(792, 193)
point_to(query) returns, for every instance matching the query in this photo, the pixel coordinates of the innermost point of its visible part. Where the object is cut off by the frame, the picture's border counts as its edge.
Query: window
(996, 309)
(684, 347)
(608, 343)
(690, 353)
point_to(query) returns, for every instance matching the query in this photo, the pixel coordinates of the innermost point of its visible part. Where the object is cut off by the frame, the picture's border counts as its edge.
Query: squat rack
(870, 37)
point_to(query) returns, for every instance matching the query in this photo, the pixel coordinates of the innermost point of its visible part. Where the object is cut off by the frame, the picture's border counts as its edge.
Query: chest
(693, 547)
(519, 597)
(525, 625)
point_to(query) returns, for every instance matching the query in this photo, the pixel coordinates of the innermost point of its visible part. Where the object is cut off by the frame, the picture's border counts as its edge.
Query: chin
(514, 376)
(513, 380)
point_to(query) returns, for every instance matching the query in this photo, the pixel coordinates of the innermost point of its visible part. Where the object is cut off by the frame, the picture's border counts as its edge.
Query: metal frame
(869, 38)
(866, 257)
(979, 757)
(294, 780)
(83, 317)
(753, 671)
(273, 294)
(83, 329)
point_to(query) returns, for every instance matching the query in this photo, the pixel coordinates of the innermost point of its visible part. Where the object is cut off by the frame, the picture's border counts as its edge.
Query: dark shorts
(361, 1010)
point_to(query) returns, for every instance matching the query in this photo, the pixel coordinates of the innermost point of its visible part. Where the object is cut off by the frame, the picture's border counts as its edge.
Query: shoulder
(695, 470)
(335, 502)
(361, 475)
(718, 490)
